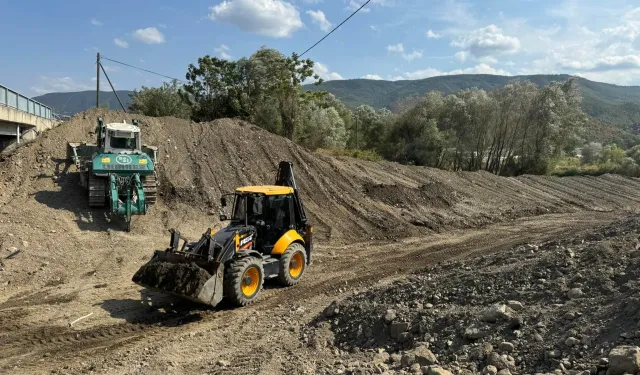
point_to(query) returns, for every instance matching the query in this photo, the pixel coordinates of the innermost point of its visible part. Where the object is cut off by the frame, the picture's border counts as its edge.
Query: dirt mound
(560, 305)
(347, 199)
(185, 279)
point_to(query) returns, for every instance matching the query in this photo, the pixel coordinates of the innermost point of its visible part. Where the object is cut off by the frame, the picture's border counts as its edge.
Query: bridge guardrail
(14, 99)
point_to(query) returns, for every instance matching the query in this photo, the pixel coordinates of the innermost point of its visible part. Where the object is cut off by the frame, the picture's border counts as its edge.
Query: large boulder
(501, 362)
(396, 328)
(495, 313)
(424, 356)
(624, 360)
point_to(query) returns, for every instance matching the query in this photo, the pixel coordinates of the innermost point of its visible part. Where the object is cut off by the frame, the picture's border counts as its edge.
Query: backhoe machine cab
(267, 236)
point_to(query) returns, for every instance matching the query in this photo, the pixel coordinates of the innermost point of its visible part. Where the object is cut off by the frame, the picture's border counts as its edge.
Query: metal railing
(13, 99)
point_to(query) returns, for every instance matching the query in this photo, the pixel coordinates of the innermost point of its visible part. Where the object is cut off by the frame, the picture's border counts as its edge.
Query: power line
(146, 70)
(336, 28)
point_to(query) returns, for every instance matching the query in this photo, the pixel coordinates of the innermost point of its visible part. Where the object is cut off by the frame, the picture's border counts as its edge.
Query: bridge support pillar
(18, 133)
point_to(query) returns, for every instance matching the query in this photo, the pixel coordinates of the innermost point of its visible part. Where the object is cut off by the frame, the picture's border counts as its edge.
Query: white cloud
(375, 28)
(605, 63)
(318, 18)
(399, 48)
(223, 52)
(60, 84)
(432, 72)
(416, 54)
(396, 78)
(488, 60)
(162, 25)
(96, 22)
(374, 77)
(608, 50)
(355, 4)
(273, 18)
(432, 35)
(396, 48)
(462, 56)
(324, 72)
(150, 35)
(121, 43)
(487, 41)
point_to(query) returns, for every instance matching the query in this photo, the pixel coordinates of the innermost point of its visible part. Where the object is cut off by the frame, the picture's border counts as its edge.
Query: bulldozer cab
(122, 139)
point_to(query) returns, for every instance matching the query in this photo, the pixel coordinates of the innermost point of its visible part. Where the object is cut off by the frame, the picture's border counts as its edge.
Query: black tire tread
(232, 284)
(284, 278)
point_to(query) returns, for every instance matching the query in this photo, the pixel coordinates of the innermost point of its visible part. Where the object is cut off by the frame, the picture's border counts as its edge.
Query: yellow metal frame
(266, 190)
(287, 239)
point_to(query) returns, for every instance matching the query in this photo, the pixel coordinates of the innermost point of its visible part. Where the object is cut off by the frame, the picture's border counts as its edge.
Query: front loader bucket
(177, 275)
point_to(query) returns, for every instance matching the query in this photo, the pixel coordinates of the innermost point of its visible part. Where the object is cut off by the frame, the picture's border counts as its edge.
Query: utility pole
(98, 81)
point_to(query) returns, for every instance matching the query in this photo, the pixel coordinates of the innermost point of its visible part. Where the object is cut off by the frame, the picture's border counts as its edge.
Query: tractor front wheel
(243, 280)
(293, 263)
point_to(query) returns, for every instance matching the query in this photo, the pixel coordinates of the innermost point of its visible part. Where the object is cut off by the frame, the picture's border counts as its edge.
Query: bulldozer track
(97, 191)
(150, 188)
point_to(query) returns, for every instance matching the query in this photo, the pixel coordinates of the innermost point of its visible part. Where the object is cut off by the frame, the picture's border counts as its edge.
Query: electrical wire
(146, 70)
(336, 28)
(302, 54)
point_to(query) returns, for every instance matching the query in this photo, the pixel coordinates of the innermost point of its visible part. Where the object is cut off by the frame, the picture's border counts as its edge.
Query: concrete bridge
(22, 118)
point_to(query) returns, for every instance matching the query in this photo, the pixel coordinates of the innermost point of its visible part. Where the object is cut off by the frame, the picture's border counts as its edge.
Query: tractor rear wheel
(293, 263)
(243, 280)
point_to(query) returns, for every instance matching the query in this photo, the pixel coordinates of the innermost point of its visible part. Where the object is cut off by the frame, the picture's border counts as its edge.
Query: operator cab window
(125, 143)
(277, 213)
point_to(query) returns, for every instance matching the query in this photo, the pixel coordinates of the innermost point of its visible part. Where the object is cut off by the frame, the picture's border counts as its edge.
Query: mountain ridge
(612, 104)
(70, 103)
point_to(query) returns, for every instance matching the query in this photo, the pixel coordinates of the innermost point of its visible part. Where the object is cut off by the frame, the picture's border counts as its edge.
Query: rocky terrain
(569, 306)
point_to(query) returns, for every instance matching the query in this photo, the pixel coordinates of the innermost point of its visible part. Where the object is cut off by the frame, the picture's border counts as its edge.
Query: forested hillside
(618, 105)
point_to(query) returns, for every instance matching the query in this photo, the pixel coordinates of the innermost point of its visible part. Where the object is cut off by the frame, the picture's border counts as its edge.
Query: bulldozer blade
(179, 276)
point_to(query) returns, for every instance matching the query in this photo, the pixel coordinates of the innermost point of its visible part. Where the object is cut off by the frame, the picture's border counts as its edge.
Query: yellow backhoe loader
(268, 236)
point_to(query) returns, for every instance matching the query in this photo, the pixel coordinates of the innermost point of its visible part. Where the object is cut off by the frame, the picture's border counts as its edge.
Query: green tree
(591, 153)
(280, 79)
(634, 153)
(216, 88)
(160, 101)
(266, 89)
(322, 128)
(612, 154)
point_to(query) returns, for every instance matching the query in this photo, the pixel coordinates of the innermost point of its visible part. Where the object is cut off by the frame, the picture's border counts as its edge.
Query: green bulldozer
(118, 170)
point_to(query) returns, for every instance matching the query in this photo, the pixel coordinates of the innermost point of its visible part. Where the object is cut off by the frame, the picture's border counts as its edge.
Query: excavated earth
(560, 305)
(68, 305)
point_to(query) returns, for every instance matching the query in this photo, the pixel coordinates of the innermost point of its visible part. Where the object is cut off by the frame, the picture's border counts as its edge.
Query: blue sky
(53, 46)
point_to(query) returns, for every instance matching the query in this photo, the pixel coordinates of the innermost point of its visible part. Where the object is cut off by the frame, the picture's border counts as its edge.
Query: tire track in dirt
(359, 266)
